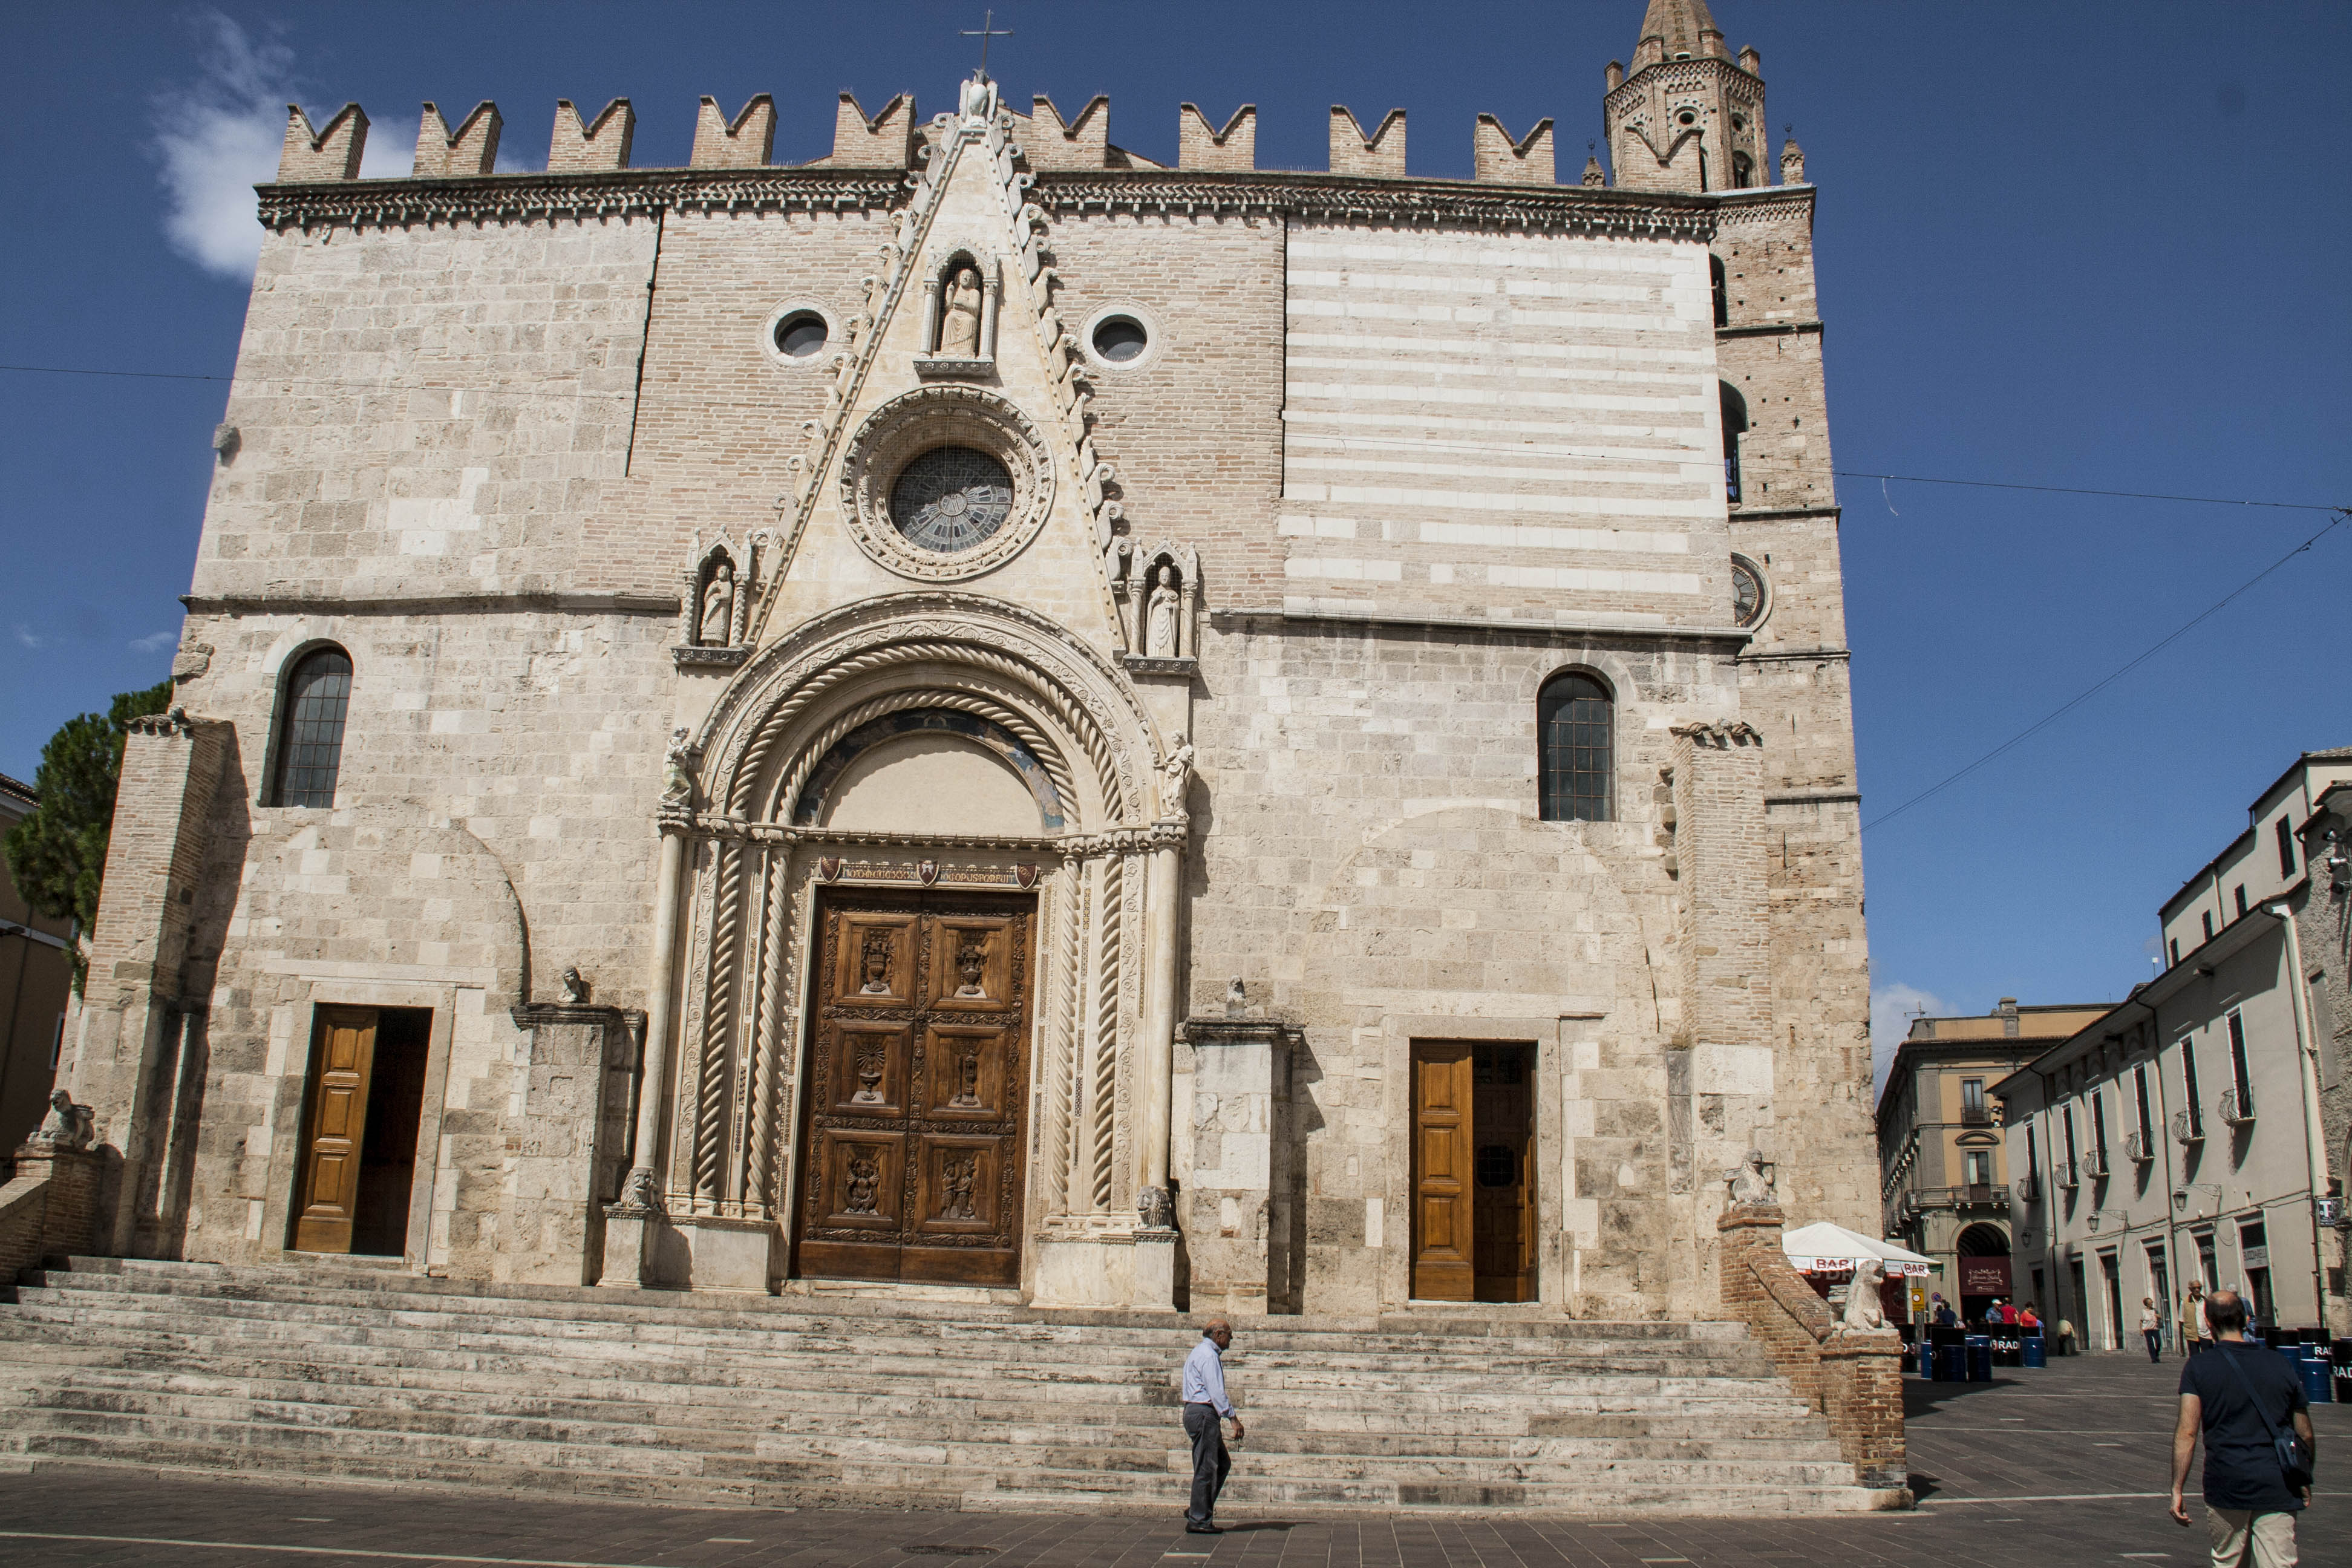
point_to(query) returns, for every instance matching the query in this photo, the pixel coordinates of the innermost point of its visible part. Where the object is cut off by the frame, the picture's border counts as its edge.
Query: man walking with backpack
(2250, 1411)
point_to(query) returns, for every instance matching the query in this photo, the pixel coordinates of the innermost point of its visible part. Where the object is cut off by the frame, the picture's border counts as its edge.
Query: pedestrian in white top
(1204, 1402)
(2151, 1328)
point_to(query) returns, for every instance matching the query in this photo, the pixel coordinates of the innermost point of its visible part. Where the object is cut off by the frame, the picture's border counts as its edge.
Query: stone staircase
(346, 1374)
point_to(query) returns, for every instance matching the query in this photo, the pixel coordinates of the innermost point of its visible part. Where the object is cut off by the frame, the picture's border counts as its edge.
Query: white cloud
(155, 640)
(24, 634)
(1892, 1008)
(219, 136)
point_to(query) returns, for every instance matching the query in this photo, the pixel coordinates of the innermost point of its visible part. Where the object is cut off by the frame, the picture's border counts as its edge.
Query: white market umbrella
(1826, 1248)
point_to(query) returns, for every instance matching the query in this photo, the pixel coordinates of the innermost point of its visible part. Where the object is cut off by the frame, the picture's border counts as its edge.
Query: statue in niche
(960, 322)
(717, 627)
(972, 960)
(874, 964)
(1160, 616)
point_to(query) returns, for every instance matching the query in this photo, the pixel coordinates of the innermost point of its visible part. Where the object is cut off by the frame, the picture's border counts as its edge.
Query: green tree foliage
(59, 853)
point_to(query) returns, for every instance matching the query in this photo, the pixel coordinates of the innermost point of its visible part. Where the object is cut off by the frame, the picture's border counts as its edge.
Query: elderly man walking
(1204, 1402)
(2239, 1398)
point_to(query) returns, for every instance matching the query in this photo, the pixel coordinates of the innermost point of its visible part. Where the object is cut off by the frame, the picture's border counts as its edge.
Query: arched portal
(898, 793)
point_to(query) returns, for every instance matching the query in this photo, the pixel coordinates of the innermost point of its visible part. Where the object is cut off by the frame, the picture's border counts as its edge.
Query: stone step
(551, 1302)
(914, 1358)
(677, 1326)
(1154, 1447)
(895, 1466)
(396, 1391)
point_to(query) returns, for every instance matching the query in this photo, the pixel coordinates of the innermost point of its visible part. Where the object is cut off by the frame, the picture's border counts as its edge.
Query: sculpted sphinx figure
(66, 1126)
(960, 318)
(1863, 1311)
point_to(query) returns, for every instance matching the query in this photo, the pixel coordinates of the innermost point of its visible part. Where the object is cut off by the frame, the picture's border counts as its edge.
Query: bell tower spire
(1690, 117)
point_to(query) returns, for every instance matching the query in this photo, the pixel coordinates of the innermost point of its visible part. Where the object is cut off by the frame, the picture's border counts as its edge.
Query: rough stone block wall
(49, 1207)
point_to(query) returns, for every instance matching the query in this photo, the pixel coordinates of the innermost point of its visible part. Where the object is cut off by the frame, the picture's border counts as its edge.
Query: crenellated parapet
(1647, 108)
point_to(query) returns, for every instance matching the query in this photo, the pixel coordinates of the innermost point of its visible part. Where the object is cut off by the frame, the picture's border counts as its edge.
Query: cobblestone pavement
(2066, 1464)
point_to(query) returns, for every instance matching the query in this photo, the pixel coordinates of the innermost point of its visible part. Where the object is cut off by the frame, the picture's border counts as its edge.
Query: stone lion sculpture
(66, 1126)
(1862, 1307)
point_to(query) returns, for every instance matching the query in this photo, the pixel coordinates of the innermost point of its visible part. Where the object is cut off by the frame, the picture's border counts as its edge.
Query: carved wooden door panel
(915, 1111)
(1442, 1228)
(343, 1053)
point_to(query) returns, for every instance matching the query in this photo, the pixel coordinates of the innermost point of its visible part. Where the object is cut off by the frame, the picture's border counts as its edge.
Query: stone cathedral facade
(985, 715)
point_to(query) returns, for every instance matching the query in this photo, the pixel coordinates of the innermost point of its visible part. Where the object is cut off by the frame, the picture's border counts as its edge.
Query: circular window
(1121, 339)
(951, 500)
(797, 333)
(1497, 1165)
(1687, 118)
(801, 334)
(1749, 598)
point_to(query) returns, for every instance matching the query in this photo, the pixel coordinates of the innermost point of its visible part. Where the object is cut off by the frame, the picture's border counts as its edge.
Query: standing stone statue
(717, 628)
(1160, 616)
(960, 326)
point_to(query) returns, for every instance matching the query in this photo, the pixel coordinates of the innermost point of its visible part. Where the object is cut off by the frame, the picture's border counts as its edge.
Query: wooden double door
(1473, 1172)
(915, 1111)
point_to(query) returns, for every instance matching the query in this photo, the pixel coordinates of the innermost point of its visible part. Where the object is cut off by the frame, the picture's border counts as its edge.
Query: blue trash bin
(1951, 1363)
(2293, 1356)
(2036, 1355)
(1980, 1358)
(2316, 1378)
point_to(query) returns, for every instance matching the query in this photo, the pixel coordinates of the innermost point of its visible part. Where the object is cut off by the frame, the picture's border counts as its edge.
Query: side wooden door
(1444, 1229)
(916, 1105)
(342, 1057)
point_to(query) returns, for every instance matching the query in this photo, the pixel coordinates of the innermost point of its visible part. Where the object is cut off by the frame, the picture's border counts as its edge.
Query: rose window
(951, 498)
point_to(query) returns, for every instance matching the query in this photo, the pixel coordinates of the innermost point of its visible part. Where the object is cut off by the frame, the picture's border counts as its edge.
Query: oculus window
(1121, 339)
(1573, 731)
(800, 334)
(951, 498)
(311, 729)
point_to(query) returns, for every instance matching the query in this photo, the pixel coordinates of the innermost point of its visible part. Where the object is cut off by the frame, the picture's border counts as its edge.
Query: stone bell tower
(1689, 118)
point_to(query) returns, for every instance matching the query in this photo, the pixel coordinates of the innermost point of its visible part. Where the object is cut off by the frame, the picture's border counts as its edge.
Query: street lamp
(2092, 1219)
(2180, 1195)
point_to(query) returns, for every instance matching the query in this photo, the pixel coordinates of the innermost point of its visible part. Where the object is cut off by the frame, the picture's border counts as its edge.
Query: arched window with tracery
(310, 714)
(1575, 723)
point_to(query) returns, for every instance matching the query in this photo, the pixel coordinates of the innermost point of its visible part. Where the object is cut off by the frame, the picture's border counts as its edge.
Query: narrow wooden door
(915, 1109)
(342, 1056)
(1444, 1226)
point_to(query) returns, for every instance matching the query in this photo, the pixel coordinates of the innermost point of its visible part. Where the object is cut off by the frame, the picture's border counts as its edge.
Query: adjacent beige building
(2181, 1136)
(982, 714)
(1944, 1180)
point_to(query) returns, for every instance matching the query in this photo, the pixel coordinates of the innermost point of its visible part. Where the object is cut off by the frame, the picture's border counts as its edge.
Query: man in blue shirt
(2248, 1509)
(1204, 1402)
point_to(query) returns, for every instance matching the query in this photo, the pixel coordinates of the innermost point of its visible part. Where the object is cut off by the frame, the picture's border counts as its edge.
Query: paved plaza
(2066, 1464)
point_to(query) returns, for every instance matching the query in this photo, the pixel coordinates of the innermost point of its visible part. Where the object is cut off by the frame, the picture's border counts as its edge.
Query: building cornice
(600, 194)
(1348, 198)
(1336, 198)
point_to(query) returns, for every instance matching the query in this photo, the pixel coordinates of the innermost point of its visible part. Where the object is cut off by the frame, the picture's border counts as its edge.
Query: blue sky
(2097, 245)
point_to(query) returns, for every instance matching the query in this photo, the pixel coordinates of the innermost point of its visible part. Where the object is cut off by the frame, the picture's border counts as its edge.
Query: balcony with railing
(1968, 1195)
(2064, 1174)
(1976, 1115)
(2027, 1190)
(2237, 1107)
(2140, 1148)
(2094, 1163)
(2188, 1127)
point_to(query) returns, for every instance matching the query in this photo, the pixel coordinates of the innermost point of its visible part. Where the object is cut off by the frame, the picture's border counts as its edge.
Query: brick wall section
(1201, 146)
(603, 143)
(744, 143)
(1049, 141)
(1528, 160)
(471, 149)
(1854, 1379)
(1380, 155)
(330, 153)
(48, 1208)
